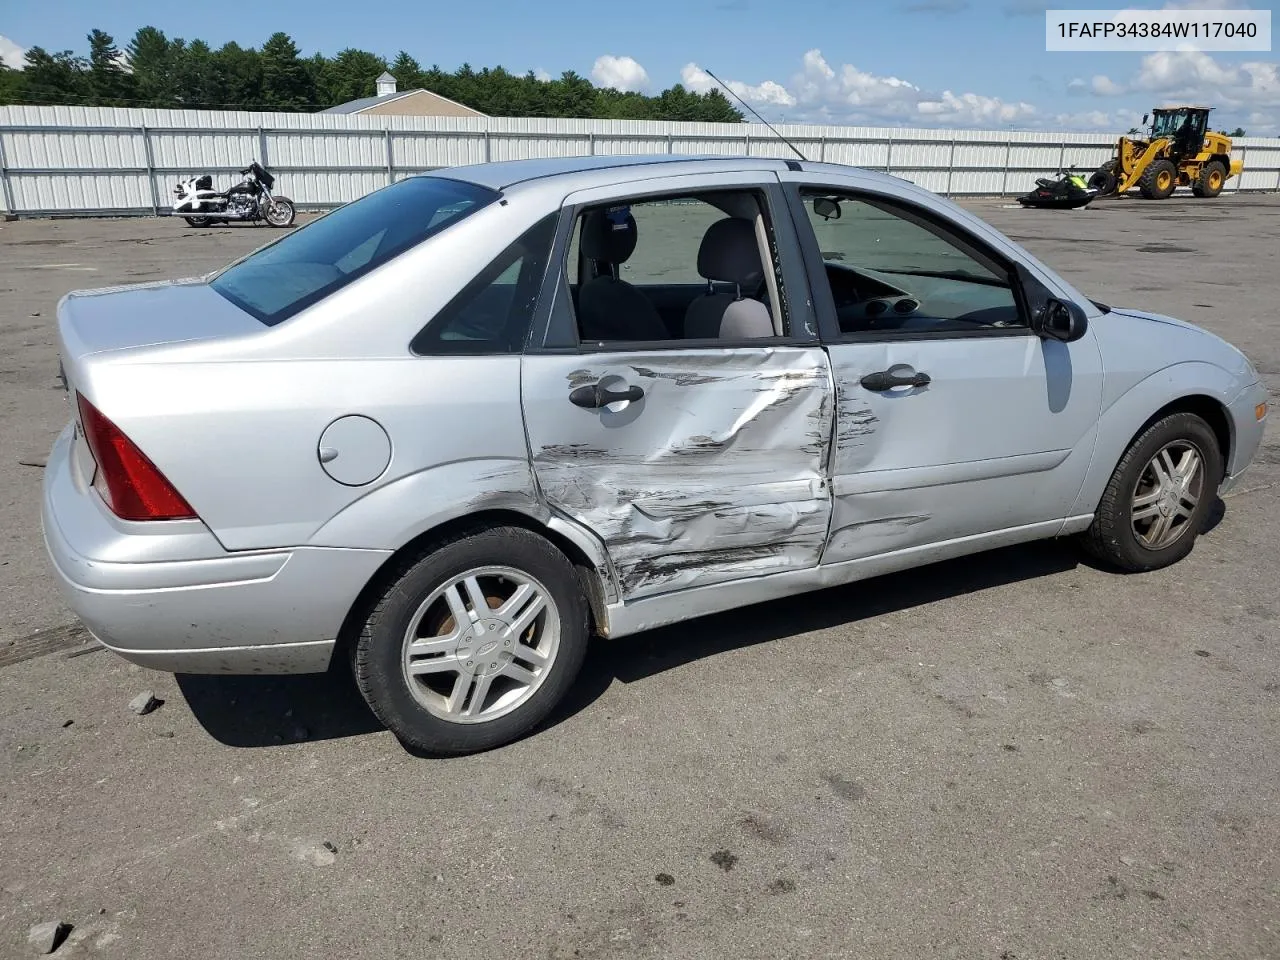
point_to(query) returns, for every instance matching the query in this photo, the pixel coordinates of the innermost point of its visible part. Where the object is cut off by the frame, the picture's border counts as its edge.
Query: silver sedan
(452, 430)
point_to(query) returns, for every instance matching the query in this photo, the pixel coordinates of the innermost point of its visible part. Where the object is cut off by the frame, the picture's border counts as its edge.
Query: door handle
(884, 380)
(594, 396)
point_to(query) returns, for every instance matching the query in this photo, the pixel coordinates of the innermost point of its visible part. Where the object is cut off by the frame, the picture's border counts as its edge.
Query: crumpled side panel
(715, 475)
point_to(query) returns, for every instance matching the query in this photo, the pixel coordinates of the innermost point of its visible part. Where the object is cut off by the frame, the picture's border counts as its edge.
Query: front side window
(891, 270)
(309, 264)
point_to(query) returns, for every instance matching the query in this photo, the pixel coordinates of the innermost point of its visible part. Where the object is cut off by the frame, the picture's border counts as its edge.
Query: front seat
(729, 254)
(609, 308)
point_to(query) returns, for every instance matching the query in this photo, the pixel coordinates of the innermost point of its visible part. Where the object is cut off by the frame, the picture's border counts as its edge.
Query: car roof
(504, 174)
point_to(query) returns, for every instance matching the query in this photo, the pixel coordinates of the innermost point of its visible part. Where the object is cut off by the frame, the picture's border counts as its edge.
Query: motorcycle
(1068, 192)
(250, 199)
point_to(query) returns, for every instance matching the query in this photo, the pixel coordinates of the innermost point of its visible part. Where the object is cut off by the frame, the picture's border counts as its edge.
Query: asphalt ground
(1015, 755)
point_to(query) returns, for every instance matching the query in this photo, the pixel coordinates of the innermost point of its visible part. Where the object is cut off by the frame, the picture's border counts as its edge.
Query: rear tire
(450, 676)
(1146, 491)
(197, 221)
(1159, 180)
(1212, 177)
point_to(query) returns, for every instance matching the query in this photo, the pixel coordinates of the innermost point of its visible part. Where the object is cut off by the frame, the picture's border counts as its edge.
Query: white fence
(91, 160)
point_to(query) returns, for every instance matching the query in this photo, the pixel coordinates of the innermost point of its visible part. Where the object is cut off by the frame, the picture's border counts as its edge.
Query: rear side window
(309, 264)
(494, 311)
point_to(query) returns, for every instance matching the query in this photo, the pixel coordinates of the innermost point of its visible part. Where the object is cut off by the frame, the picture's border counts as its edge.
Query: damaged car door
(677, 403)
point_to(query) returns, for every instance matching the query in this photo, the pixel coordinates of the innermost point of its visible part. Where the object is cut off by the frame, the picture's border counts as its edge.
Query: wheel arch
(595, 580)
(1123, 422)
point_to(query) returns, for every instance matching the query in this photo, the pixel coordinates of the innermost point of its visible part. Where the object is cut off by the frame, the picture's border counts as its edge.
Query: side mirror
(1144, 118)
(1060, 320)
(827, 208)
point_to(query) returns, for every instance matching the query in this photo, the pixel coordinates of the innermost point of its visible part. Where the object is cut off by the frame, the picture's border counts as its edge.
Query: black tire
(286, 218)
(1105, 179)
(378, 657)
(197, 221)
(1111, 538)
(1212, 177)
(1150, 183)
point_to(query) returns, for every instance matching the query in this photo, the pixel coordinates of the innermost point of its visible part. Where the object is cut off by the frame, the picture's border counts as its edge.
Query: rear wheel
(475, 643)
(1159, 496)
(1159, 180)
(197, 221)
(1212, 176)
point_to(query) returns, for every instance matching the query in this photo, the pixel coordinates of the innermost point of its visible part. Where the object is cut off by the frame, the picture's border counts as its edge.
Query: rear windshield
(309, 264)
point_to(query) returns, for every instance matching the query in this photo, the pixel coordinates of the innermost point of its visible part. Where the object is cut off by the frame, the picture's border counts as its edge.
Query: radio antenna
(757, 115)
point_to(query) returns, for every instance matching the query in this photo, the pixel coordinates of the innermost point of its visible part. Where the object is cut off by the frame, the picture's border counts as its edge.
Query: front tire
(1159, 180)
(279, 213)
(1159, 496)
(474, 643)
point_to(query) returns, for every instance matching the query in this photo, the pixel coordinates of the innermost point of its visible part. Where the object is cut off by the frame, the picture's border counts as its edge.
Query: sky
(912, 63)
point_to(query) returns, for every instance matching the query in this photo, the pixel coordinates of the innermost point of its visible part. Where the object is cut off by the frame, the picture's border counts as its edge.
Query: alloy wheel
(1167, 493)
(481, 645)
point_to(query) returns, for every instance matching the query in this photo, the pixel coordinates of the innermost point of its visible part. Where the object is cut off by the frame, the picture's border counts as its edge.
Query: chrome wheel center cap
(482, 649)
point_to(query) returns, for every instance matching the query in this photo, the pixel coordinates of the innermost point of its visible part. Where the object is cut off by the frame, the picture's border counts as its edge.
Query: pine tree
(285, 80)
(109, 85)
(407, 71)
(53, 78)
(151, 60)
(12, 84)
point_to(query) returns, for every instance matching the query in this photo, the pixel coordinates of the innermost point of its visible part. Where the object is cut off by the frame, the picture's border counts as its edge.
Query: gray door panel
(717, 473)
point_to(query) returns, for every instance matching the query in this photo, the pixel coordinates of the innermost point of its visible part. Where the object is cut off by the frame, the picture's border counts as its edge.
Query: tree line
(157, 71)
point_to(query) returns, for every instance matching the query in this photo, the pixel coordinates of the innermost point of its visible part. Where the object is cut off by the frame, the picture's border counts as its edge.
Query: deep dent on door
(731, 481)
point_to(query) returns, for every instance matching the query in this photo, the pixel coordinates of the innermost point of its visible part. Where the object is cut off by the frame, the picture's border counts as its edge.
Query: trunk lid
(146, 315)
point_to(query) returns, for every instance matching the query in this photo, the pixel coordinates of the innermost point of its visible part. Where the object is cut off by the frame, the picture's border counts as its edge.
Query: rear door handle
(883, 380)
(594, 396)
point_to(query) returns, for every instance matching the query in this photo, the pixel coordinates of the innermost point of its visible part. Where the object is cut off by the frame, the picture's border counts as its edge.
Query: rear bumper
(1248, 431)
(142, 595)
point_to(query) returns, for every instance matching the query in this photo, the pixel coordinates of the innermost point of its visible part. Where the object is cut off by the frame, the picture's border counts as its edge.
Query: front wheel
(279, 212)
(197, 221)
(475, 643)
(1159, 181)
(1159, 496)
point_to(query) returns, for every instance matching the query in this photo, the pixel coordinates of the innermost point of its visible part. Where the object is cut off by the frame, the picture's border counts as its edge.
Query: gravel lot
(1011, 756)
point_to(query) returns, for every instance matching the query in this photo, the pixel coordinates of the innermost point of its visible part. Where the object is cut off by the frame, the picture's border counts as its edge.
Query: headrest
(729, 253)
(609, 235)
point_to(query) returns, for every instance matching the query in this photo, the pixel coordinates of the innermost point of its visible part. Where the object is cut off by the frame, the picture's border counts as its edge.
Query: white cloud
(819, 92)
(1193, 74)
(1196, 77)
(542, 75)
(1105, 87)
(699, 81)
(621, 73)
(11, 53)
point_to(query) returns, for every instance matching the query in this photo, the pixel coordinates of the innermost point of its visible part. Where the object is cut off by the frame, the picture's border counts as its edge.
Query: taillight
(129, 483)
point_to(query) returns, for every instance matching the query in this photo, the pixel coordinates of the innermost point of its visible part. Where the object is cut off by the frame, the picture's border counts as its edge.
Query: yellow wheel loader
(1180, 151)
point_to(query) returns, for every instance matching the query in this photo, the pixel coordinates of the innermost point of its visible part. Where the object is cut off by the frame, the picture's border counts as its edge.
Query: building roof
(364, 103)
(355, 106)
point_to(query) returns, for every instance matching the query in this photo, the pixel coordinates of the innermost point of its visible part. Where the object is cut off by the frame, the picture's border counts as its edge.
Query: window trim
(962, 238)
(423, 346)
(556, 324)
